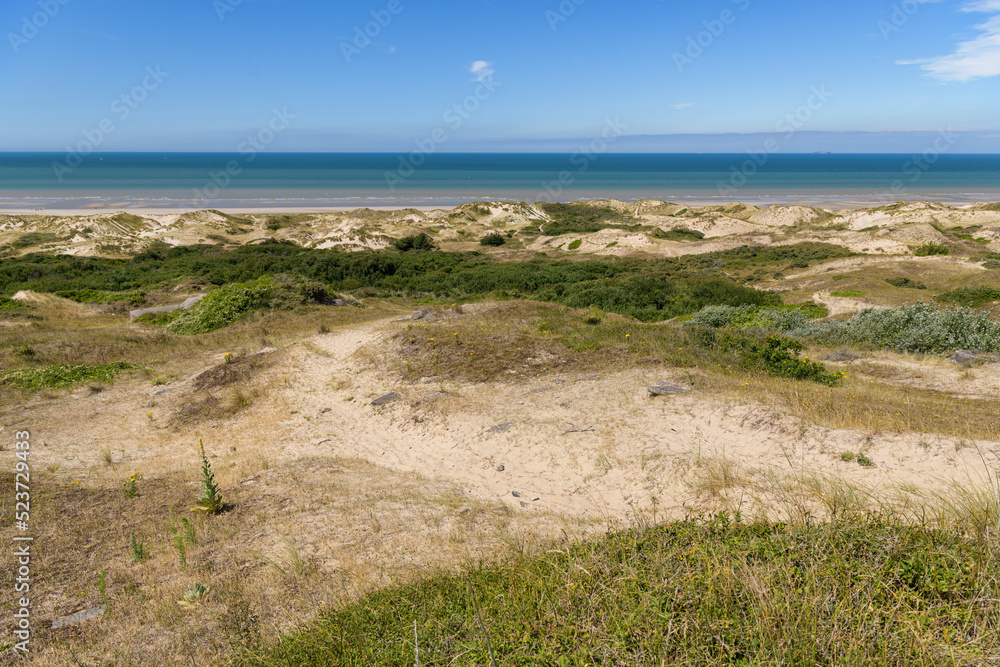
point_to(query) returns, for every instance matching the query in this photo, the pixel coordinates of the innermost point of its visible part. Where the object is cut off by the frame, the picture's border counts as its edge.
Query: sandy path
(629, 453)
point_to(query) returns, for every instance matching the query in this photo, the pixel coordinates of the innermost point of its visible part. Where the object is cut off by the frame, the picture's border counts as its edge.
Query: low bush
(928, 249)
(419, 241)
(224, 306)
(972, 297)
(775, 355)
(905, 283)
(493, 239)
(679, 234)
(915, 328)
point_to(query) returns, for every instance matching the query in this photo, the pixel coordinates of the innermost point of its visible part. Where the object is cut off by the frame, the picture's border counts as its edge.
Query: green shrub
(775, 355)
(575, 244)
(905, 283)
(494, 239)
(419, 241)
(33, 238)
(915, 328)
(754, 317)
(10, 304)
(847, 293)
(931, 249)
(991, 264)
(679, 234)
(62, 376)
(224, 306)
(972, 297)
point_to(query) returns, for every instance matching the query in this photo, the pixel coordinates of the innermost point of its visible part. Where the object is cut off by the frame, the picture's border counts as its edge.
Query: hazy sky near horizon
(206, 74)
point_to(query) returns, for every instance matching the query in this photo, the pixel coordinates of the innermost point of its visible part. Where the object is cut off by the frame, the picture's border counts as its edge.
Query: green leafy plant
(211, 496)
(63, 376)
(865, 462)
(777, 355)
(194, 595)
(419, 241)
(575, 244)
(102, 587)
(181, 551)
(138, 550)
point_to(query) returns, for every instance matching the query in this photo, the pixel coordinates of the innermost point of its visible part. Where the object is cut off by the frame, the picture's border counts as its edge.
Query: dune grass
(710, 591)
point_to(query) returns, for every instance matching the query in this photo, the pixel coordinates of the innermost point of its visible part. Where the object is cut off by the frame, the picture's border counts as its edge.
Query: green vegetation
(224, 306)
(580, 218)
(210, 500)
(10, 304)
(931, 249)
(712, 591)
(783, 318)
(679, 234)
(972, 297)
(63, 376)
(775, 355)
(33, 239)
(419, 241)
(493, 239)
(915, 328)
(575, 244)
(905, 283)
(134, 298)
(847, 293)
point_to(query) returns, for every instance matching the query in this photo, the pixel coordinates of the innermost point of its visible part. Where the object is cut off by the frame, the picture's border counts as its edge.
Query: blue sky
(526, 75)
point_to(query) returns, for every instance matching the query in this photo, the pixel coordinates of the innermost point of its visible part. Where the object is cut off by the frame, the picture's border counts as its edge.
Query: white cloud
(481, 70)
(973, 59)
(684, 105)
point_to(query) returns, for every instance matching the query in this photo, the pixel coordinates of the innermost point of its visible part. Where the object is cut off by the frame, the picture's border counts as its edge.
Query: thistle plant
(211, 496)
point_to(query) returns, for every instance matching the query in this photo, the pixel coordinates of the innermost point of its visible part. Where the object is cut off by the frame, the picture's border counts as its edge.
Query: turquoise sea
(219, 180)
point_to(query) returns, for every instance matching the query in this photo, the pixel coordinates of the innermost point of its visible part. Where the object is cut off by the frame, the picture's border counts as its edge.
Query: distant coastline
(273, 182)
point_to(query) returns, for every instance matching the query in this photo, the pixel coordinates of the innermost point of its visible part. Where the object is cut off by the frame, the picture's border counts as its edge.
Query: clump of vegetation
(33, 239)
(133, 298)
(915, 328)
(224, 306)
(494, 239)
(63, 376)
(714, 590)
(679, 234)
(419, 241)
(784, 318)
(137, 550)
(972, 297)
(10, 304)
(928, 249)
(905, 283)
(575, 244)
(195, 594)
(580, 218)
(776, 355)
(210, 500)
(847, 293)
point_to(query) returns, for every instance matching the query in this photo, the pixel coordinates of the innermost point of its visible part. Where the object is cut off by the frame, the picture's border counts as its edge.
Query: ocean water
(217, 180)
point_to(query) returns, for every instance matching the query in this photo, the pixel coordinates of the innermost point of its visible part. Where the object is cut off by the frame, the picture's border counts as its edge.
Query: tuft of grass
(711, 590)
(63, 376)
(847, 293)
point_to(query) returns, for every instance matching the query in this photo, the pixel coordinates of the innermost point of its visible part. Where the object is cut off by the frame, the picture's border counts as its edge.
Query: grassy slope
(711, 592)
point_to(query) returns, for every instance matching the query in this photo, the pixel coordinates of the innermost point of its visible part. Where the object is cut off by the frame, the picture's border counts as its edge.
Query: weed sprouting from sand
(195, 594)
(137, 550)
(210, 500)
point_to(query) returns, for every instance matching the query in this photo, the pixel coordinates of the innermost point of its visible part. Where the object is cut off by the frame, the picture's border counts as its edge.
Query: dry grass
(311, 534)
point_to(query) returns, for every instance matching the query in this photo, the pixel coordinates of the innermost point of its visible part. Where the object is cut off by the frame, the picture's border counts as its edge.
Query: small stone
(427, 380)
(500, 428)
(160, 393)
(967, 357)
(665, 388)
(524, 504)
(436, 395)
(564, 404)
(515, 494)
(324, 410)
(465, 511)
(77, 618)
(232, 449)
(500, 468)
(386, 399)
